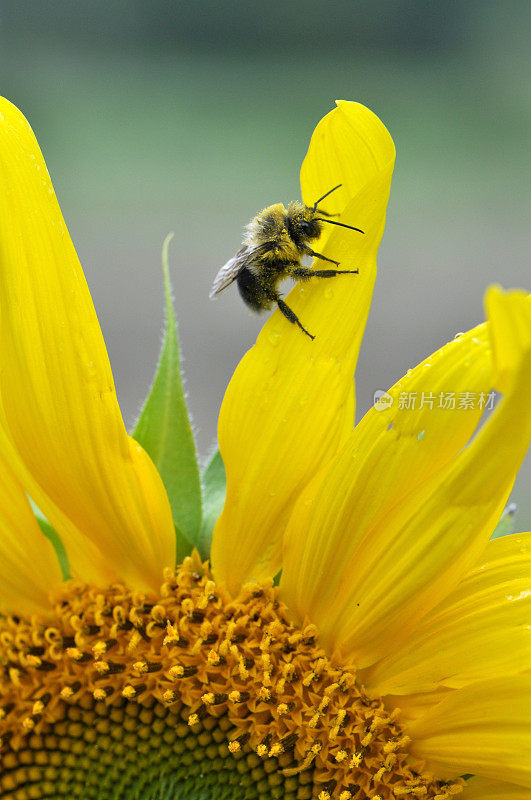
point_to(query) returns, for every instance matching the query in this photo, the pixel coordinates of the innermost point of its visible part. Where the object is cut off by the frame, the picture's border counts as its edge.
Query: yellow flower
(392, 658)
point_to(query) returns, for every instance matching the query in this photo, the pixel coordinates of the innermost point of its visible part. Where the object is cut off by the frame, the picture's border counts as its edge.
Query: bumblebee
(274, 244)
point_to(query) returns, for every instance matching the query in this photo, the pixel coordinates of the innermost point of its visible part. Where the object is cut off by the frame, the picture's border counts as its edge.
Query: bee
(274, 244)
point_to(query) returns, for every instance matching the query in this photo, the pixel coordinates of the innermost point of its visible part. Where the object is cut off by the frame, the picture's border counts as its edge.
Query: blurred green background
(156, 116)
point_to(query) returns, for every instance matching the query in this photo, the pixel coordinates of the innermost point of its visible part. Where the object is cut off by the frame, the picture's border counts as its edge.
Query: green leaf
(214, 490)
(164, 431)
(183, 546)
(506, 525)
(51, 534)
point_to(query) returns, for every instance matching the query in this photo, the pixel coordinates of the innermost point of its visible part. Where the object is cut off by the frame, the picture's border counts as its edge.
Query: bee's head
(301, 223)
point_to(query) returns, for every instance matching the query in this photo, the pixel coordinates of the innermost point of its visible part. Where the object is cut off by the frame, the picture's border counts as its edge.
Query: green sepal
(507, 523)
(164, 431)
(51, 534)
(214, 490)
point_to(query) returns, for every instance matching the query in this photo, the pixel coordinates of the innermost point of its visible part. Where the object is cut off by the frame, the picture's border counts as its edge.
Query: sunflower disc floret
(122, 688)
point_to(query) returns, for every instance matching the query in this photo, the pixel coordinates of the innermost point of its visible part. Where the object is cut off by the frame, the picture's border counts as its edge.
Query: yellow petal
(381, 537)
(59, 403)
(385, 458)
(29, 568)
(486, 789)
(413, 706)
(483, 729)
(489, 612)
(86, 560)
(290, 403)
(348, 147)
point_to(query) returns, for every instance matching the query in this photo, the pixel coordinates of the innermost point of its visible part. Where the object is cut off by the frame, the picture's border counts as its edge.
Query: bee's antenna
(341, 224)
(325, 195)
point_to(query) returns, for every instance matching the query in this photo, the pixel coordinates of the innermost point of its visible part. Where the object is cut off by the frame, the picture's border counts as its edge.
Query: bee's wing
(230, 271)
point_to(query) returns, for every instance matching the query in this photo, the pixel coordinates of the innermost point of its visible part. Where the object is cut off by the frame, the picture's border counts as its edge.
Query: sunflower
(348, 630)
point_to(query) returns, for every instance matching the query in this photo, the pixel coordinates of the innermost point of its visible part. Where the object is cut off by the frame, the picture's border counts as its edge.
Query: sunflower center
(190, 693)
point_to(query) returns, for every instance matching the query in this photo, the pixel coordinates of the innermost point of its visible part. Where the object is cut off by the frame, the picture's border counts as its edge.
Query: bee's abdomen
(253, 291)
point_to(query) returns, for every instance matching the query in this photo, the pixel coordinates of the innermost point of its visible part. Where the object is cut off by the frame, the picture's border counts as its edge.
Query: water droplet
(274, 338)
(409, 371)
(303, 400)
(459, 335)
(420, 436)
(328, 292)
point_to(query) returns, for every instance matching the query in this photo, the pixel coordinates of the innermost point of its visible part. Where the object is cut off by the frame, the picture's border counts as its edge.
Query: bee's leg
(304, 272)
(312, 253)
(291, 315)
(325, 213)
